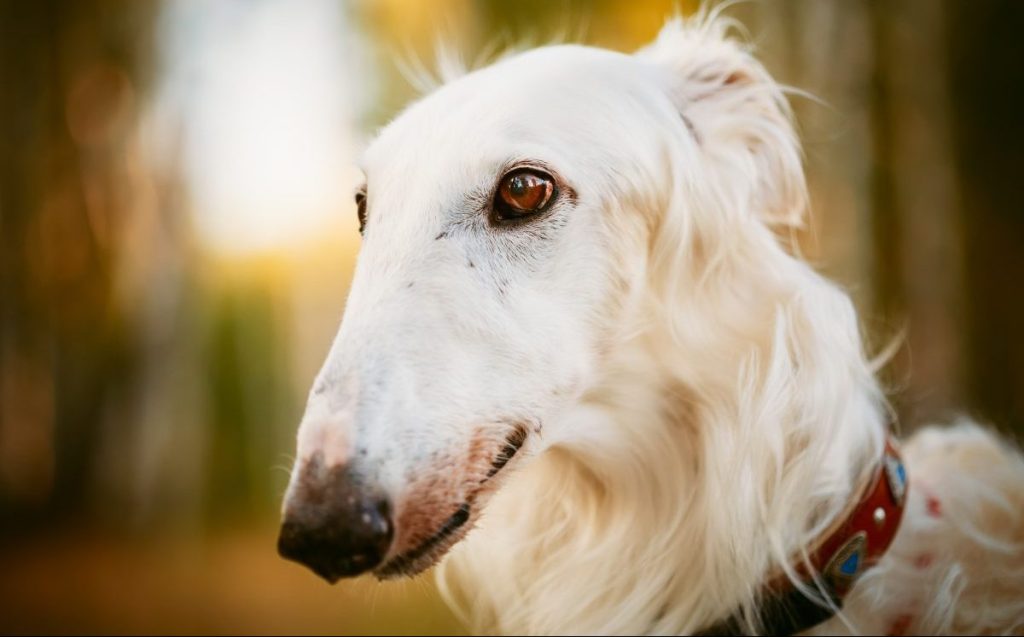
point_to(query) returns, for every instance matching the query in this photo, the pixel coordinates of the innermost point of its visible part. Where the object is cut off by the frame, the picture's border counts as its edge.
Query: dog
(575, 328)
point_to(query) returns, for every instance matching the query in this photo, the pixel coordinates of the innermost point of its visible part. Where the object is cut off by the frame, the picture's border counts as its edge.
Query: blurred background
(177, 233)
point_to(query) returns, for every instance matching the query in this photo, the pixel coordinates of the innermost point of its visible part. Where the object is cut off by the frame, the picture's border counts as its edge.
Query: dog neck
(792, 603)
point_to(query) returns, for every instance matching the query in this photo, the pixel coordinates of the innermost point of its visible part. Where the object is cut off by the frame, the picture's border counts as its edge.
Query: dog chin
(419, 559)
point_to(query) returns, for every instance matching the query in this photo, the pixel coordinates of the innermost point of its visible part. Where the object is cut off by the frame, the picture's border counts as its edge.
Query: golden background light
(268, 96)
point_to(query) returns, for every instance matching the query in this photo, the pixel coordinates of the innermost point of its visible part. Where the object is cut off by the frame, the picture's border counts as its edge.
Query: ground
(233, 582)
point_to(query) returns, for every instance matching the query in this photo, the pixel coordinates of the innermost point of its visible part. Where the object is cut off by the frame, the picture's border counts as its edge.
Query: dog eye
(361, 208)
(522, 193)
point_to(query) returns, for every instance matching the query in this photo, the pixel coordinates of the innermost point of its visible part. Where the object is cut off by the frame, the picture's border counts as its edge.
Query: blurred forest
(177, 233)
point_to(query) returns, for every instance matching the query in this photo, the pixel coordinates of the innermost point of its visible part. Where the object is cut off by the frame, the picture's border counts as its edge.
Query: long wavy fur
(737, 413)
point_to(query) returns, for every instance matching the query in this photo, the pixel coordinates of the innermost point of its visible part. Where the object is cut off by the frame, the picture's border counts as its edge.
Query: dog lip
(406, 562)
(513, 443)
(420, 557)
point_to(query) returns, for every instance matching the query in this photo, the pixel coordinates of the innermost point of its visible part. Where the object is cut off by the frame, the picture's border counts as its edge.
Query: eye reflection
(523, 192)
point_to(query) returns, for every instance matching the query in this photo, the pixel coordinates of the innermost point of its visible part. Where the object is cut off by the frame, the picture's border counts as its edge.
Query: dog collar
(855, 543)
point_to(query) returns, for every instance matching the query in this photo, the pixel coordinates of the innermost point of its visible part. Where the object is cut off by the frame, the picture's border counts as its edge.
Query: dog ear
(737, 113)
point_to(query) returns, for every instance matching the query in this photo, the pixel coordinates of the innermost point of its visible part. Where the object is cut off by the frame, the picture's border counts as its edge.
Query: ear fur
(737, 112)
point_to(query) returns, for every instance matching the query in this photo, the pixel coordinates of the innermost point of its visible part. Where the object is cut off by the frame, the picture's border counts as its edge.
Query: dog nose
(334, 526)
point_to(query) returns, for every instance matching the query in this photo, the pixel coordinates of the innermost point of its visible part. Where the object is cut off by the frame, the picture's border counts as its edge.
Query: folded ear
(737, 112)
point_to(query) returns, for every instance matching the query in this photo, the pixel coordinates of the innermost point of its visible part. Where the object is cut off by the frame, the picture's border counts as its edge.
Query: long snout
(335, 524)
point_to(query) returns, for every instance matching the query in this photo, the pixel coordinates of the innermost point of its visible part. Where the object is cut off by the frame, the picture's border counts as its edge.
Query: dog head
(512, 221)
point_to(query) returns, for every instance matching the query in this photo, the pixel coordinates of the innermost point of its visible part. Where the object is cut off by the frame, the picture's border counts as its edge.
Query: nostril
(337, 536)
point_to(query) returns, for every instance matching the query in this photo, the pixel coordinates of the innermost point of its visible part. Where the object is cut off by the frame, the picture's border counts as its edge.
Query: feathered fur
(734, 419)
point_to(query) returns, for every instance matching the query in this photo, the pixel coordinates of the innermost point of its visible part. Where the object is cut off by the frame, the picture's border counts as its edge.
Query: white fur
(700, 403)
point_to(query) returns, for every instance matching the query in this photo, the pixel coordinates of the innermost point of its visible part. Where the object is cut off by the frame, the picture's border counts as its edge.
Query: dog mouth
(428, 552)
(455, 527)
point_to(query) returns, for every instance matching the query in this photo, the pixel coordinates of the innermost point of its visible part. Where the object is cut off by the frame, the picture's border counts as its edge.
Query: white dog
(573, 328)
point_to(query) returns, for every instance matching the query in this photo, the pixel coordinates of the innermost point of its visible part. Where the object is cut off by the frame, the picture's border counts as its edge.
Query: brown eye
(522, 193)
(361, 208)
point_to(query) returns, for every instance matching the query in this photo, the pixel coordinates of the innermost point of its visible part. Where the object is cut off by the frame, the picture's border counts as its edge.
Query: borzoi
(575, 328)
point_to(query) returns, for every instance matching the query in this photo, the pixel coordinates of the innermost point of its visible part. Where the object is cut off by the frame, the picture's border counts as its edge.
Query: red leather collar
(863, 536)
(854, 544)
